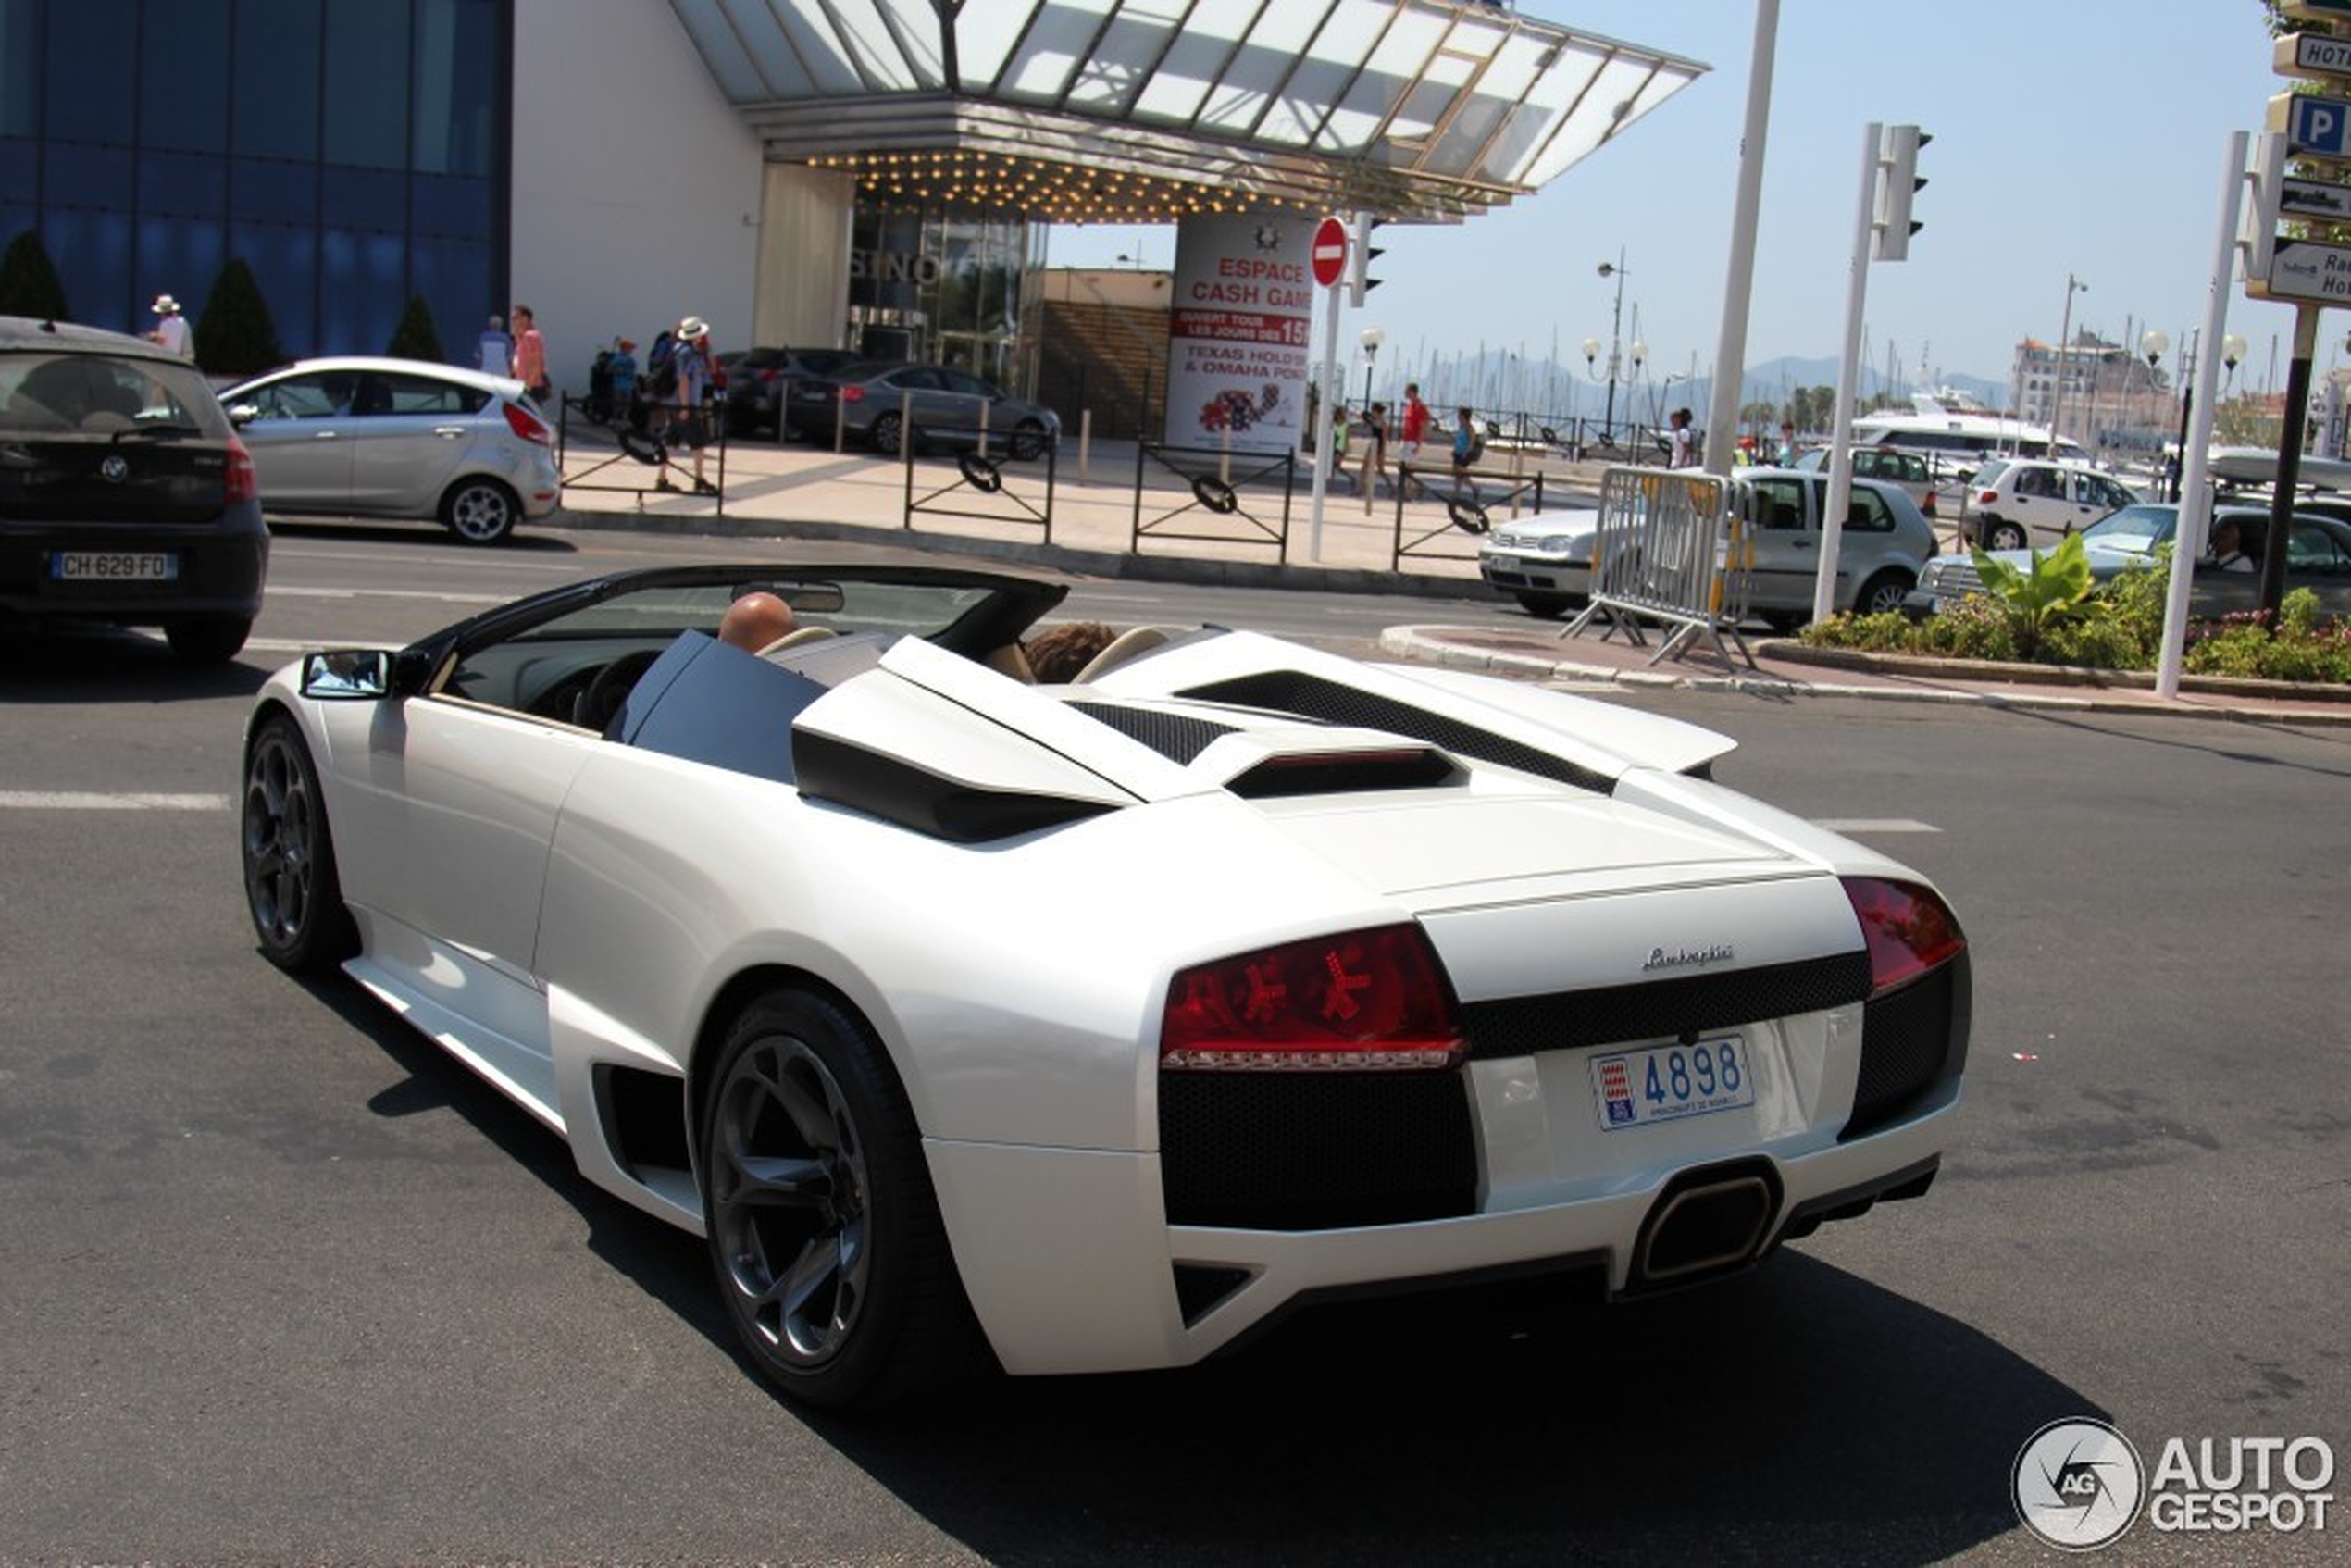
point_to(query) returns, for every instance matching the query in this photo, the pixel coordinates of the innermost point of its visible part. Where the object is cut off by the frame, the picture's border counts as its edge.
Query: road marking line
(85, 800)
(1875, 824)
(281, 591)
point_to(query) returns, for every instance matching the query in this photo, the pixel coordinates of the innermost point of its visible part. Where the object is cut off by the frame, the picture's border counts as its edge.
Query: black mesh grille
(1308, 696)
(1313, 1151)
(1521, 1026)
(1179, 736)
(1906, 1044)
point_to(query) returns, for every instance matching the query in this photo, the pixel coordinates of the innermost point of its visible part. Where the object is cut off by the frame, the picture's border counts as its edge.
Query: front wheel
(291, 888)
(480, 511)
(1882, 594)
(1546, 607)
(824, 1231)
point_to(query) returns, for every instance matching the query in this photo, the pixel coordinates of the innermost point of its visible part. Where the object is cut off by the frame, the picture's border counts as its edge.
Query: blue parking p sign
(2315, 127)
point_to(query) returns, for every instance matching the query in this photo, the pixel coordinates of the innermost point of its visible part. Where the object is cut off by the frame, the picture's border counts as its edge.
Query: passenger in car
(755, 620)
(1058, 653)
(2228, 551)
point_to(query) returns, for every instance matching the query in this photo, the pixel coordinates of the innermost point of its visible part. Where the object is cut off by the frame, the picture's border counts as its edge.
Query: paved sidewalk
(1097, 529)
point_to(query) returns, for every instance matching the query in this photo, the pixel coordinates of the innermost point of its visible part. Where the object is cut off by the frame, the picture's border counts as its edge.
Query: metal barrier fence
(1469, 508)
(648, 439)
(982, 472)
(1670, 548)
(1216, 479)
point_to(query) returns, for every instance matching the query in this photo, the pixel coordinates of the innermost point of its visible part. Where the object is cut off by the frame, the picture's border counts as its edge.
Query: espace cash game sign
(2080, 1484)
(1237, 333)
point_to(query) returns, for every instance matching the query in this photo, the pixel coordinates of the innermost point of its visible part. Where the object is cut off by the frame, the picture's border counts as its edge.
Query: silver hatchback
(1545, 561)
(398, 438)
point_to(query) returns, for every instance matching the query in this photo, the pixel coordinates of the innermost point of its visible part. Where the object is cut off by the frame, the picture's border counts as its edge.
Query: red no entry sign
(1330, 252)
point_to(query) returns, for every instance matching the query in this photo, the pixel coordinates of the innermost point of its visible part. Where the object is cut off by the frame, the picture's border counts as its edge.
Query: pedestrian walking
(1680, 451)
(171, 328)
(530, 354)
(689, 424)
(1374, 452)
(495, 353)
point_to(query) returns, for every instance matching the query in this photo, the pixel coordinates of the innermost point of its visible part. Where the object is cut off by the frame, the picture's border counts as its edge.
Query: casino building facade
(878, 174)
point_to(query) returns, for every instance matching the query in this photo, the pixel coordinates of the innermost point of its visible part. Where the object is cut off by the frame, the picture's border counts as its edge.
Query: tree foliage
(416, 337)
(28, 281)
(236, 335)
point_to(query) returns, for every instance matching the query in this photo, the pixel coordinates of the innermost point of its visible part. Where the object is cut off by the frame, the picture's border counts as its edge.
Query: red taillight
(853, 394)
(1985, 497)
(1908, 928)
(1929, 507)
(239, 483)
(526, 424)
(1370, 1001)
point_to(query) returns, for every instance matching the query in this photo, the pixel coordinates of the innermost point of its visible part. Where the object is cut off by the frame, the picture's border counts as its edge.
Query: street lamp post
(2151, 345)
(1371, 338)
(2056, 407)
(1615, 342)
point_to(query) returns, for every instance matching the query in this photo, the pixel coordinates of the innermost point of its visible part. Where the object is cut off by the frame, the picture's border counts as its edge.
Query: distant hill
(1485, 378)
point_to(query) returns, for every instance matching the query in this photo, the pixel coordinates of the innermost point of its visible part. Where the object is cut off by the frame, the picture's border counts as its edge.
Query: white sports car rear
(1108, 1019)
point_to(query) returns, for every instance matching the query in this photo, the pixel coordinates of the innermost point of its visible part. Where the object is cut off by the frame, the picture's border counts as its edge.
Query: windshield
(2134, 528)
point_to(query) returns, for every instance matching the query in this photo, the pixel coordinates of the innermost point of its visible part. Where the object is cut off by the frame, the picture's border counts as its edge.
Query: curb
(1116, 565)
(1427, 644)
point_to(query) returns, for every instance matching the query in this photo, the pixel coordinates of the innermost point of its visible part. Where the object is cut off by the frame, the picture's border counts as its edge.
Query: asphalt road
(281, 1282)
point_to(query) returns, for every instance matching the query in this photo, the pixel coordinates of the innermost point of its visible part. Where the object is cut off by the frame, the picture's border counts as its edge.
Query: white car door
(442, 827)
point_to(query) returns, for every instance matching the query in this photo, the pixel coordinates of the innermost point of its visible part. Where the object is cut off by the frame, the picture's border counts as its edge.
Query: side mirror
(243, 414)
(347, 675)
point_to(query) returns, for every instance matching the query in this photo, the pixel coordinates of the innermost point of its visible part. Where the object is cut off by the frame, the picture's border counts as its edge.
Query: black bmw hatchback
(125, 495)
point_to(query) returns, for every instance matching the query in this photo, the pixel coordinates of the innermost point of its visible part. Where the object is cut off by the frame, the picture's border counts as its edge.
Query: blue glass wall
(351, 152)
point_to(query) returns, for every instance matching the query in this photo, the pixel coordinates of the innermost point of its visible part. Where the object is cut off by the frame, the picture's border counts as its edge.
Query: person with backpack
(1468, 447)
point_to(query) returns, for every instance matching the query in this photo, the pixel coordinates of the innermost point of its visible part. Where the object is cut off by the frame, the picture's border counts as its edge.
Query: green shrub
(416, 337)
(236, 336)
(28, 281)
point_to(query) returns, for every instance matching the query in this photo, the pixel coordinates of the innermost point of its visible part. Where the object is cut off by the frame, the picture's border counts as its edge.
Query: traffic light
(1360, 255)
(1898, 164)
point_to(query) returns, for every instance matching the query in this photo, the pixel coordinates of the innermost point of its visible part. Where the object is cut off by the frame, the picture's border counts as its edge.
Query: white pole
(1849, 370)
(1739, 283)
(2196, 506)
(1323, 412)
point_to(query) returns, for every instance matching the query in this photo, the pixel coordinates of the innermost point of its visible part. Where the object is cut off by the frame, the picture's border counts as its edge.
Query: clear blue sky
(2070, 136)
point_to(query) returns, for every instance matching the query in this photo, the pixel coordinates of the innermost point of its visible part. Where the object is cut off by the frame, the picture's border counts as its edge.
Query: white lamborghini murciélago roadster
(1096, 1023)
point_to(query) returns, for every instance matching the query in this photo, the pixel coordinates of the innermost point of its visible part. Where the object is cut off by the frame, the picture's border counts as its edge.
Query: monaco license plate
(114, 566)
(1638, 1088)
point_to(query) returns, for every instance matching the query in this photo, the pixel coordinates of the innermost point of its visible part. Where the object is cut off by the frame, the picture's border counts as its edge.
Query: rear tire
(2000, 534)
(209, 639)
(480, 511)
(883, 432)
(291, 888)
(825, 1233)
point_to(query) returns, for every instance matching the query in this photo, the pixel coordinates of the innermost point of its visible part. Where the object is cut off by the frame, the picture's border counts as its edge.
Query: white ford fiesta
(1090, 1026)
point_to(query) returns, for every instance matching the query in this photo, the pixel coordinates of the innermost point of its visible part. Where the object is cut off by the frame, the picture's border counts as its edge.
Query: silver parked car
(398, 438)
(1545, 561)
(2226, 578)
(873, 401)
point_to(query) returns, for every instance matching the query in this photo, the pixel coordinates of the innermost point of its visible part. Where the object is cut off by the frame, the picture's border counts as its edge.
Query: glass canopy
(1137, 110)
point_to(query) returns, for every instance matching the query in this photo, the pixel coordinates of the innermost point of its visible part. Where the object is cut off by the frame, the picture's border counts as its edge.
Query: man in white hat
(689, 427)
(171, 328)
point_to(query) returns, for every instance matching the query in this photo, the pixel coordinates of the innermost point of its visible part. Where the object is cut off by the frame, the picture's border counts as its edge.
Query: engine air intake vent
(1340, 773)
(1177, 737)
(1311, 697)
